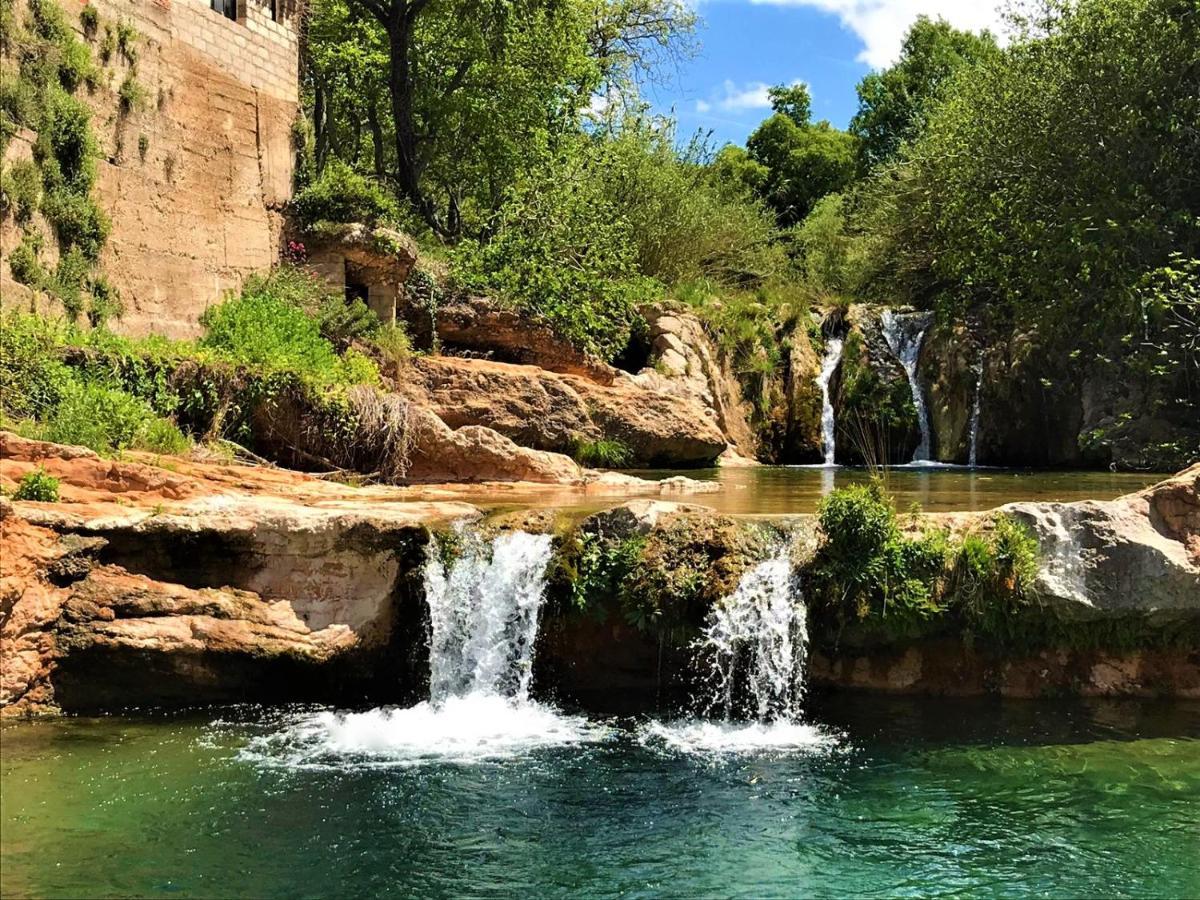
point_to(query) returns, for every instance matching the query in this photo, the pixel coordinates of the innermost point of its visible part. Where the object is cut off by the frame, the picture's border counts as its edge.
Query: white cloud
(881, 24)
(732, 97)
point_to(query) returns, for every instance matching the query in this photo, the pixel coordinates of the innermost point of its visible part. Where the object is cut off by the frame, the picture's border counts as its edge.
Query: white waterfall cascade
(755, 643)
(833, 356)
(904, 333)
(976, 412)
(483, 618)
(758, 635)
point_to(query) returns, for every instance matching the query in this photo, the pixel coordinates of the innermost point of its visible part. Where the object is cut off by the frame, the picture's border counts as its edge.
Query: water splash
(833, 356)
(904, 333)
(483, 617)
(976, 411)
(755, 646)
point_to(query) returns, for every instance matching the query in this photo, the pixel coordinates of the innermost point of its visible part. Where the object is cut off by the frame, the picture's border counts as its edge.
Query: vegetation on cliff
(275, 370)
(44, 65)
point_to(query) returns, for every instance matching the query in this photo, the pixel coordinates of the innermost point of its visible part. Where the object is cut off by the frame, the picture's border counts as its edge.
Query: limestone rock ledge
(206, 583)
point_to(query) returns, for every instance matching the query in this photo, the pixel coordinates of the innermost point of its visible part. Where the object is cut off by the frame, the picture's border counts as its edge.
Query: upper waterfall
(904, 333)
(833, 355)
(976, 412)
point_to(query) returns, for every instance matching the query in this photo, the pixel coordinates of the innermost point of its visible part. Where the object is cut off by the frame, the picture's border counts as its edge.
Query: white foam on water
(701, 737)
(755, 646)
(757, 639)
(483, 622)
(469, 729)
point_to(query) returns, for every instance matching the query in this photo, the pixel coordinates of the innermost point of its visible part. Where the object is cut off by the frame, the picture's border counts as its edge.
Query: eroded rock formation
(194, 582)
(550, 411)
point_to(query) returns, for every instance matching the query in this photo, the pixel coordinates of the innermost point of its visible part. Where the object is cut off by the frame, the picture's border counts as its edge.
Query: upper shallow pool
(792, 490)
(877, 798)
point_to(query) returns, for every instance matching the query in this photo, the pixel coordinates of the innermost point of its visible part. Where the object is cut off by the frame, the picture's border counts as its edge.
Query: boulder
(473, 453)
(126, 639)
(683, 362)
(549, 411)
(1138, 555)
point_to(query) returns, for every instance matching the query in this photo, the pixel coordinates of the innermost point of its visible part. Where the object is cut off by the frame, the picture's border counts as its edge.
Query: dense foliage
(869, 570)
(275, 369)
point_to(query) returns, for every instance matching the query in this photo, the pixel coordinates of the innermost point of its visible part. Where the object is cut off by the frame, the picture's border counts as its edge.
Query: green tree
(448, 101)
(893, 104)
(803, 163)
(793, 101)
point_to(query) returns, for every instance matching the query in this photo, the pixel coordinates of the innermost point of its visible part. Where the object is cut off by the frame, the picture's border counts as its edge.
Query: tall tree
(801, 161)
(893, 104)
(447, 100)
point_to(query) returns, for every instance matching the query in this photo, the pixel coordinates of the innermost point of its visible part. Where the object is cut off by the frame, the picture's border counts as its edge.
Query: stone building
(194, 178)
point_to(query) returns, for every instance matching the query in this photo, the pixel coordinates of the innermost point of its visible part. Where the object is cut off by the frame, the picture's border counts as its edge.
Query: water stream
(976, 411)
(904, 333)
(833, 355)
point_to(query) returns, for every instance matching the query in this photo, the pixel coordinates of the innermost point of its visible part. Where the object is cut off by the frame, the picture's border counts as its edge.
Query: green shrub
(32, 373)
(107, 419)
(602, 454)
(393, 343)
(127, 40)
(48, 21)
(18, 104)
(872, 573)
(341, 322)
(20, 190)
(108, 45)
(89, 19)
(161, 436)
(38, 486)
(66, 148)
(262, 328)
(561, 251)
(75, 66)
(78, 222)
(131, 93)
(106, 302)
(24, 264)
(69, 281)
(684, 220)
(342, 195)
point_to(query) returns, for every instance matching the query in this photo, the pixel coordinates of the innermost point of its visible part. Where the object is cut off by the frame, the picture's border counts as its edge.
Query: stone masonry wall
(195, 178)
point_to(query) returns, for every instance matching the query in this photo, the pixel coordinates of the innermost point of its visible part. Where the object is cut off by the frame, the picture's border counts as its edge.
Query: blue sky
(829, 44)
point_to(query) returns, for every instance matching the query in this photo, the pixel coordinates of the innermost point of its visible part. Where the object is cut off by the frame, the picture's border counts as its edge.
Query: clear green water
(901, 798)
(791, 490)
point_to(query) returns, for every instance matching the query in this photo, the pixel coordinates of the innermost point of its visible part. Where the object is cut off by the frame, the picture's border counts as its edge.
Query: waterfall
(833, 355)
(976, 408)
(483, 624)
(754, 647)
(904, 333)
(483, 614)
(757, 641)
